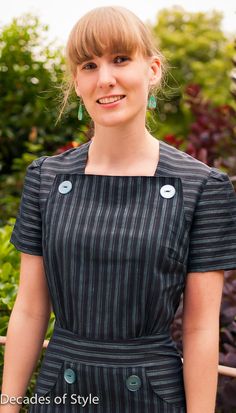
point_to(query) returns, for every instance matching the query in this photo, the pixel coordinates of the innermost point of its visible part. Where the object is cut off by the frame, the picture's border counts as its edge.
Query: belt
(123, 352)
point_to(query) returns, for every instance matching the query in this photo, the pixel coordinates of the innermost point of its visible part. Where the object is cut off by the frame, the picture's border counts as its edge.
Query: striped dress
(117, 251)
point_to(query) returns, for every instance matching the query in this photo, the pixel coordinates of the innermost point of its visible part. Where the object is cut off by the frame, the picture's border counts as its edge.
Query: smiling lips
(110, 99)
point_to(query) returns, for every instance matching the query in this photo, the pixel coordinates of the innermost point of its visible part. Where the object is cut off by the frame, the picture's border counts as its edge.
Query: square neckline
(85, 161)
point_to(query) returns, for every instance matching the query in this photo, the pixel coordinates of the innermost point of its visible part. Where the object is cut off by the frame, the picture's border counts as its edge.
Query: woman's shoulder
(179, 163)
(69, 161)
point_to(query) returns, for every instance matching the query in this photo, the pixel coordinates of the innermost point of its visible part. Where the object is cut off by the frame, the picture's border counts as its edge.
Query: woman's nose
(105, 76)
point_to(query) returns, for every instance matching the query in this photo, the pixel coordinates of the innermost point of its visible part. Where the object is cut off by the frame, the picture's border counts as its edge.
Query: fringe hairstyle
(109, 29)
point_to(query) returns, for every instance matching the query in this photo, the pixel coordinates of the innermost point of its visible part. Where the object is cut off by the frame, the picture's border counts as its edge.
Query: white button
(167, 191)
(65, 187)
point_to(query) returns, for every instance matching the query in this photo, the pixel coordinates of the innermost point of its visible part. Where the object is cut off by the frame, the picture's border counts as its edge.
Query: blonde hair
(109, 29)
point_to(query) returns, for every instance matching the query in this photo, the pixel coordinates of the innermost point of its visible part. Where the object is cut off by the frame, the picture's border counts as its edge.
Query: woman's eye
(121, 58)
(86, 67)
(118, 59)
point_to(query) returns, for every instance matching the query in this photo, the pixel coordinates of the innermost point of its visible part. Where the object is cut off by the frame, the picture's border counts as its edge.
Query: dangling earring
(80, 111)
(152, 104)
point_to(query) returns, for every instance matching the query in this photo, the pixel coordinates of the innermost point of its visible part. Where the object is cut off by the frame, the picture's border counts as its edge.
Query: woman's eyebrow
(113, 53)
(87, 58)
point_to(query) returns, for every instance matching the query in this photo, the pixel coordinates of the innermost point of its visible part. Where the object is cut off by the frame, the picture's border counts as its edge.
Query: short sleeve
(213, 231)
(27, 232)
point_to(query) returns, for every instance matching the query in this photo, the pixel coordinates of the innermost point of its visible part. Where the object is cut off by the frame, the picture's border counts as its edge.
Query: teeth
(111, 99)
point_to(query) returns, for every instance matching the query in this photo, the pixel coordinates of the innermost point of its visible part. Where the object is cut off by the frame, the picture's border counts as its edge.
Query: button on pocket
(57, 377)
(133, 382)
(70, 376)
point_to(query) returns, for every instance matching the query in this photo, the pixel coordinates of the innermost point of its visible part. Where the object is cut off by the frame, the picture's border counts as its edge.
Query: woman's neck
(127, 154)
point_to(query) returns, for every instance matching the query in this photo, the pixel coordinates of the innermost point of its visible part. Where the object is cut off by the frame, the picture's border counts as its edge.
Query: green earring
(80, 112)
(152, 104)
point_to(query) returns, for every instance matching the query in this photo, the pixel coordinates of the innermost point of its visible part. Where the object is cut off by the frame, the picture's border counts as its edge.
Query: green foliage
(9, 273)
(9, 278)
(30, 76)
(198, 52)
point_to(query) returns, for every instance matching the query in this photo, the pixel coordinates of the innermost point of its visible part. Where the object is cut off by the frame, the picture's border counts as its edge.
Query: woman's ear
(155, 71)
(76, 86)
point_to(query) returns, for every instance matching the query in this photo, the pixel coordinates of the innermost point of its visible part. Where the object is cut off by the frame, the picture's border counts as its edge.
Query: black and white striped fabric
(117, 251)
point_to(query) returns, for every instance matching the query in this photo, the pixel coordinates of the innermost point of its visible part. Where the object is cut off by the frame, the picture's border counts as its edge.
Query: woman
(111, 234)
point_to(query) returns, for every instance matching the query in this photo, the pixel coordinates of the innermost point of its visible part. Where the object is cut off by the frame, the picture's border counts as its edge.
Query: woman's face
(116, 75)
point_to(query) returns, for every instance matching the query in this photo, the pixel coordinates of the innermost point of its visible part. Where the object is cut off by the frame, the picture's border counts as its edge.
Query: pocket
(177, 255)
(173, 230)
(166, 381)
(56, 378)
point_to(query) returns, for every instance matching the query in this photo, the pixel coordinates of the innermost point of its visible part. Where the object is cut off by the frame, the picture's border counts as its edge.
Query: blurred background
(196, 112)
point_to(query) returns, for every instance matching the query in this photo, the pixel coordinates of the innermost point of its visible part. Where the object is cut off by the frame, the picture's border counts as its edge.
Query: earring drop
(80, 112)
(152, 104)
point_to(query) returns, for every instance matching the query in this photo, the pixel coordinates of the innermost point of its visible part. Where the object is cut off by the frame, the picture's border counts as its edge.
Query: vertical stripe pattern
(112, 245)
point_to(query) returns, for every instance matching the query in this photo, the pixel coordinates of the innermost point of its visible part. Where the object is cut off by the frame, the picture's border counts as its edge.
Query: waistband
(144, 350)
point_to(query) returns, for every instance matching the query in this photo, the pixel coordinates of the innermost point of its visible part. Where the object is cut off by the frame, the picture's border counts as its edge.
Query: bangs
(107, 30)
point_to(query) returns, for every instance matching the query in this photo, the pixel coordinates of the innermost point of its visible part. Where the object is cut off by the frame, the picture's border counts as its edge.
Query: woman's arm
(26, 329)
(202, 300)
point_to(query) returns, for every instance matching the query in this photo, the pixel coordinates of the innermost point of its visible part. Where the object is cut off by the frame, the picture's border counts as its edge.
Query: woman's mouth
(110, 101)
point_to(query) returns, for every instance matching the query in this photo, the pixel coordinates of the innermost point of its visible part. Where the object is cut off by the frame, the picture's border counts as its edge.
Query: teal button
(133, 382)
(65, 187)
(69, 376)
